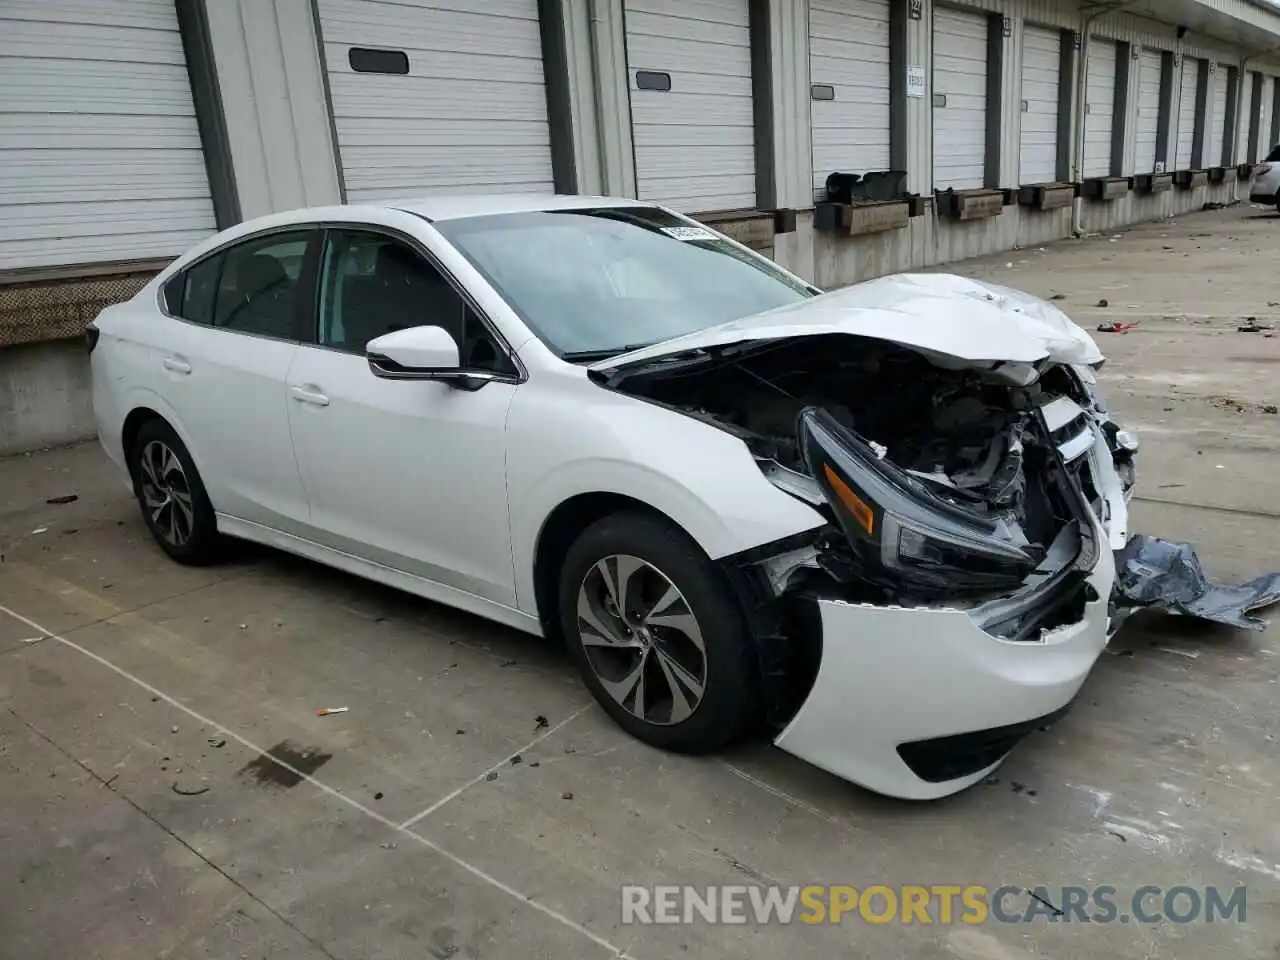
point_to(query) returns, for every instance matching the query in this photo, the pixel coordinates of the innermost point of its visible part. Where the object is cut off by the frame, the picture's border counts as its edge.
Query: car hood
(940, 315)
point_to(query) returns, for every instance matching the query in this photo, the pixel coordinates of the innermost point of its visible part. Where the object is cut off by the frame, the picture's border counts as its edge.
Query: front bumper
(921, 702)
(893, 676)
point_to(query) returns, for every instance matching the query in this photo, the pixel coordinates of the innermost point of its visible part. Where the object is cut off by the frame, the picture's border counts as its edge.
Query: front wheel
(658, 635)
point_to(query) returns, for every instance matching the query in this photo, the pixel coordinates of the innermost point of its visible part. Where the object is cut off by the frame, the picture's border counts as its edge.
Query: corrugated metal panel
(694, 143)
(100, 156)
(1038, 132)
(1148, 119)
(849, 52)
(1218, 113)
(469, 116)
(959, 76)
(1187, 113)
(1247, 109)
(1099, 107)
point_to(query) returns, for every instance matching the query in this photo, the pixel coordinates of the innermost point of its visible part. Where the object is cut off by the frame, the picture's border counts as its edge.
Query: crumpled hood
(939, 314)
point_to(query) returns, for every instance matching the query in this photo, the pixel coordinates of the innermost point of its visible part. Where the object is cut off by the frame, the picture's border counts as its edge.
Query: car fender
(570, 437)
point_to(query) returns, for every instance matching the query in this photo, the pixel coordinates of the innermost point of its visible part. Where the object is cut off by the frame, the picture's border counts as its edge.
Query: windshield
(593, 283)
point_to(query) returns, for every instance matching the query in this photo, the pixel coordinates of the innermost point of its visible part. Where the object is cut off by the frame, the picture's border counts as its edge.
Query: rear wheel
(658, 635)
(171, 495)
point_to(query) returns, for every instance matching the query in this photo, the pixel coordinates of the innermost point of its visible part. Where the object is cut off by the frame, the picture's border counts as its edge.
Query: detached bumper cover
(894, 675)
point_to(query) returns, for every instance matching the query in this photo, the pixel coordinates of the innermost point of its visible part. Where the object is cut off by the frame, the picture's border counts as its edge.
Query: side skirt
(379, 573)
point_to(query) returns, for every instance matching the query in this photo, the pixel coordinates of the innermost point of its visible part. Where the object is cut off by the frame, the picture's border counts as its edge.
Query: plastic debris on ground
(1117, 327)
(329, 711)
(1163, 575)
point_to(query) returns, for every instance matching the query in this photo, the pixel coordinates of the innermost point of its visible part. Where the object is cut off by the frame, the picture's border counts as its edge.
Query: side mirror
(418, 353)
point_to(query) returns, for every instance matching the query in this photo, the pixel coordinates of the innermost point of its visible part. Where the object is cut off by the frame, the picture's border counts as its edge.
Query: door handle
(176, 365)
(309, 395)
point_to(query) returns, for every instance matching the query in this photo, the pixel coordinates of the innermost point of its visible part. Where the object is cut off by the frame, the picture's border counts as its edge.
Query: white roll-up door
(1187, 113)
(1038, 134)
(1247, 107)
(959, 98)
(1218, 114)
(691, 109)
(100, 155)
(849, 72)
(469, 116)
(1100, 105)
(1147, 129)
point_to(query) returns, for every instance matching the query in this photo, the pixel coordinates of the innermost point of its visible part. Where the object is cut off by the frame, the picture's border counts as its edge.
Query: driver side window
(373, 284)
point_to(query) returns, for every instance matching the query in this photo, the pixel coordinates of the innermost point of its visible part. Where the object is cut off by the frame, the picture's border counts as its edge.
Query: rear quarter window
(190, 294)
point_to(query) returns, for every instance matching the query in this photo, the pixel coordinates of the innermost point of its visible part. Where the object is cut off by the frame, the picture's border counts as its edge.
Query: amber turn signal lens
(857, 507)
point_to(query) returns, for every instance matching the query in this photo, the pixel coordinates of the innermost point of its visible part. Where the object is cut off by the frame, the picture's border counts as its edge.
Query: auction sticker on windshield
(689, 233)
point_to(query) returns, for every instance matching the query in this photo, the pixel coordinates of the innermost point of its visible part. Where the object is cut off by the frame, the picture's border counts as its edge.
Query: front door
(409, 474)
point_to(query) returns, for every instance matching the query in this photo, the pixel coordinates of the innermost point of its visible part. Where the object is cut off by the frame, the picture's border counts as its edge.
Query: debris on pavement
(327, 711)
(1104, 302)
(1058, 296)
(1165, 575)
(189, 793)
(39, 530)
(67, 498)
(1251, 325)
(1116, 326)
(540, 722)
(217, 742)
(567, 795)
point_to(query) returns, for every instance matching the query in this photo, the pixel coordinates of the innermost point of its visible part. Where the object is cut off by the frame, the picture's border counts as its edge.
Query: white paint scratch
(1253, 864)
(1101, 798)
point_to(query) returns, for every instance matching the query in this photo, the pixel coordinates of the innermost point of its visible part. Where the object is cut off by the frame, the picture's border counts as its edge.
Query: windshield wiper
(590, 356)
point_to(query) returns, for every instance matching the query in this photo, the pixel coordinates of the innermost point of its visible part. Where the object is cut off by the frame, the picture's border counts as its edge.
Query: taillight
(91, 336)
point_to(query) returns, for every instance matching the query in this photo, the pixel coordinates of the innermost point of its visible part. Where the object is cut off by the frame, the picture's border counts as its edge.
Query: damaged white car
(878, 521)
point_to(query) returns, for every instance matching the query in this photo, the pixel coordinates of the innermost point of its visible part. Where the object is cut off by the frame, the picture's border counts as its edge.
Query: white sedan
(877, 521)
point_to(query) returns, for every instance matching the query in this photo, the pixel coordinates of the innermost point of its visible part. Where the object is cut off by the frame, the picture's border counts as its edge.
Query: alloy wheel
(642, 640)
(166, 493)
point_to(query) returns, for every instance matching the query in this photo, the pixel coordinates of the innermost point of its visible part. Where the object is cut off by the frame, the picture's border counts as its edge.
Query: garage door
(959, 99)
(1218, 114)
(1099, 107)
(1247, 108)
(849, 70)
(1038, 135)
(1147, 129)
(691, 111)
(1187, 112)
(100, 156)
(432, 98)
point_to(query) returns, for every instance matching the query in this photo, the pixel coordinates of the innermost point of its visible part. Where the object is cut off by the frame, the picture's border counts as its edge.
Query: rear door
(222, 359)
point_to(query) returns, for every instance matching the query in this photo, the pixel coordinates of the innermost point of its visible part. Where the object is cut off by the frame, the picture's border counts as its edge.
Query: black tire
(729, 698)
(196, 541)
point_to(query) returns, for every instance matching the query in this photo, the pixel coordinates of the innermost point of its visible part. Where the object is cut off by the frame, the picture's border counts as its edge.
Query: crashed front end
(959, 594)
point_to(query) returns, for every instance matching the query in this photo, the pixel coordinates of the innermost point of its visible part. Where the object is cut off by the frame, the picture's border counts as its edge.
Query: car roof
(481, 205)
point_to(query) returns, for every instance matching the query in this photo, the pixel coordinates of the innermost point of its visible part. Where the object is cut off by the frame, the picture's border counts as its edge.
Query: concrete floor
(138, 818)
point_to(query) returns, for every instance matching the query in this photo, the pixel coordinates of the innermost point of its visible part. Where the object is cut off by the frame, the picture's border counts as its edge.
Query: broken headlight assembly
(900, 531)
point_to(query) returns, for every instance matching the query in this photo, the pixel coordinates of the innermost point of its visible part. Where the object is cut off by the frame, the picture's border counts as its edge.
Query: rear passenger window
(190, 294)
(257, 287)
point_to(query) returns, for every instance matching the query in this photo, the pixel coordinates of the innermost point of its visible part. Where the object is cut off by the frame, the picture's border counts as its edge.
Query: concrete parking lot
(473, 802)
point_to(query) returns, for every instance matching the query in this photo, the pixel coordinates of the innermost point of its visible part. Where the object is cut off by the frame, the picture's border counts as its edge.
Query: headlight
(897, 526)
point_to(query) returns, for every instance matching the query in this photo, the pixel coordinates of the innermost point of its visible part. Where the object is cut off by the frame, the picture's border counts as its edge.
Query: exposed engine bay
(956, 485)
